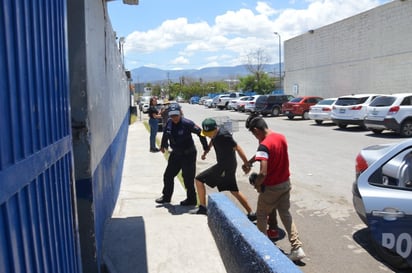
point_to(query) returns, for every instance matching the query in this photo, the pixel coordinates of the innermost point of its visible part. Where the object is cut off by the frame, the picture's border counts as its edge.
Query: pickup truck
(223, 101)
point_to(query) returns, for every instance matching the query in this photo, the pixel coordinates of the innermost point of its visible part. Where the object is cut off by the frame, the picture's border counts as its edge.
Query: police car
(382, 197)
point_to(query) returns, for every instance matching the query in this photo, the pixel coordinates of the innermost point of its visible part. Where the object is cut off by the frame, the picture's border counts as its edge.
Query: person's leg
(272, 220)
(201, 192)
(153, 131)
(283, 208)
(242, 200)
(188, 174)
(172, 169)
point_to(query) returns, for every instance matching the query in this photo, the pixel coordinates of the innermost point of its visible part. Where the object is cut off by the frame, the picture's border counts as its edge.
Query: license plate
(342, 111)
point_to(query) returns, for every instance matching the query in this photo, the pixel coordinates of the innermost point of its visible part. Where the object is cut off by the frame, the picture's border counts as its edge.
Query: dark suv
(271, 104)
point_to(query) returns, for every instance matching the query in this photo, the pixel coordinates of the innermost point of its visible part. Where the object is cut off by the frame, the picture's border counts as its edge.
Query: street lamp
(280, 64)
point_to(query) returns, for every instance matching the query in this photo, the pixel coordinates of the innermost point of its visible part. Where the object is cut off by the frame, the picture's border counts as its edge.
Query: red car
(299, 106)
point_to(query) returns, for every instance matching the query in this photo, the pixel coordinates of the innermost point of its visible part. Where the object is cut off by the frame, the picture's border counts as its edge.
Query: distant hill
(152, 75)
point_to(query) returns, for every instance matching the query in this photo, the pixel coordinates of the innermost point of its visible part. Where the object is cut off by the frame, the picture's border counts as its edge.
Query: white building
(367, 53)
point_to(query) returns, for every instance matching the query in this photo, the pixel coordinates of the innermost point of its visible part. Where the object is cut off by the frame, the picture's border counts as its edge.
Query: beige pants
(277, 197)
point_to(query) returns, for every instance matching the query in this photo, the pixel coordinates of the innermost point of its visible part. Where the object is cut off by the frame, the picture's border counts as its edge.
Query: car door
(386, 190)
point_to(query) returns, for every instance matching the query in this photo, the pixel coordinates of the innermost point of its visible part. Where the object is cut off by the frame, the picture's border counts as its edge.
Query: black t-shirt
(224, 145)
(152, 110)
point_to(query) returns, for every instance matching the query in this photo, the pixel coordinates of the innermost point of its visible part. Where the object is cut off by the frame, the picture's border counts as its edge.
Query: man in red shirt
(272, 182)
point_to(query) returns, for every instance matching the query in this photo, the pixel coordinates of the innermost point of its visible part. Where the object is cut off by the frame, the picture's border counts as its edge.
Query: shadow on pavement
(124, 232)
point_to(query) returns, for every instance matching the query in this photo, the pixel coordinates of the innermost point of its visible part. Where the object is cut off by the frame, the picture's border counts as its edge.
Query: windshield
(350, 101)
(383, 101)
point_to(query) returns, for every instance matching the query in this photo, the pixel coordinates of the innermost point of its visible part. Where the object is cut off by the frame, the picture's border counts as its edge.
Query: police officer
(178, 134)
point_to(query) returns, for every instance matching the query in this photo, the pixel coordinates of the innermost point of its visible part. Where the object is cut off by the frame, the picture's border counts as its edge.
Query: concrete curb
(243, 248)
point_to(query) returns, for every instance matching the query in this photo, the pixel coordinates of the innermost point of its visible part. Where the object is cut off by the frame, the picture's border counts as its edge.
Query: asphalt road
(322, 164)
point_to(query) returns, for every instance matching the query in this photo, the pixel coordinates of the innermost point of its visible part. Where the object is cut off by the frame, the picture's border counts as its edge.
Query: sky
(194, 34)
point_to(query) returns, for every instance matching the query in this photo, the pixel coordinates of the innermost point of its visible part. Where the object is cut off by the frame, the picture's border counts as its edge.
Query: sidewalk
(146, 237)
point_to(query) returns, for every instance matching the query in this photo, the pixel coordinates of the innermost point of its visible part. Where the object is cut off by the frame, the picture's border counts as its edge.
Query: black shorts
(216, 176)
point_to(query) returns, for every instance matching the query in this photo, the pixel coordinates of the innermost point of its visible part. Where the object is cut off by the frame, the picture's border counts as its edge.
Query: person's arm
(261, 175)
(246, 166)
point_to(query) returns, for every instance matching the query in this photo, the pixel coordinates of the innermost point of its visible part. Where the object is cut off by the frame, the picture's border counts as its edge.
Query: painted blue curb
(243, 248)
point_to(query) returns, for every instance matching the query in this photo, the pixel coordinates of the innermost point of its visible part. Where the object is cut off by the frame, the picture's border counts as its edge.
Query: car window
(383, 101)
(407, 101)
(350, 101)
(326, 102)
(296, 100)
(262, 99)
(396, 173)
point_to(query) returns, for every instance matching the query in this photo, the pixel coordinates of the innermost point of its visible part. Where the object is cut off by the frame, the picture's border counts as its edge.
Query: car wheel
(291, 116)
(275, 112)
(342, 125)
(406, 128)
(377, 131)
(305, 115)
(318, 121)
(390, 257)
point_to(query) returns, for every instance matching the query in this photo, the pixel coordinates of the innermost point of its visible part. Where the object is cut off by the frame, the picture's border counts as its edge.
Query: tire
(342, 125)
(318, 121)
(377, 131)
(389, 256)
(305, 115)
(406, 128)
(275, 112)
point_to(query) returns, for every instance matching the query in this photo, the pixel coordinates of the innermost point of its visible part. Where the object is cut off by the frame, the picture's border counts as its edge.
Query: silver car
(382, 197)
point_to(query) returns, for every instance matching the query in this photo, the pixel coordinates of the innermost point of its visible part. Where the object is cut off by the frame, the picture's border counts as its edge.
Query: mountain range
(146, 74)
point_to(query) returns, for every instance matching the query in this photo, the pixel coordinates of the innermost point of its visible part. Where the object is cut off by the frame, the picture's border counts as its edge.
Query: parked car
(242, 103)
(351, 109)
(144, 103)
(208, 103)
(217, 98)
(250, 104)
(233, 103)
(390, 112)
(271, 104)
(194, 100)
(203, 99)
(223, 102)
(299, 106)
(322, 110)
(382, 197)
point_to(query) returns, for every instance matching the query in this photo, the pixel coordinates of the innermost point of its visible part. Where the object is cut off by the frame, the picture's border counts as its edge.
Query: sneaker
(155, 150)
(188, 202)
(162, 200)
(297, 254)
(199, 210)
(273, 234)
(251, 216)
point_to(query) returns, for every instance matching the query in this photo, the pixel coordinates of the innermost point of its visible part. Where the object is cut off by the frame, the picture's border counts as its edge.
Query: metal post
(280, 64)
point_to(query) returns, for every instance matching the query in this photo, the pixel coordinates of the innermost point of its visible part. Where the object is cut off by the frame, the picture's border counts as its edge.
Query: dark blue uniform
(182, 157)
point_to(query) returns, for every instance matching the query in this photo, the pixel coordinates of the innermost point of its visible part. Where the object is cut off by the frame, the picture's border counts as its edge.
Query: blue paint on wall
(243, 248)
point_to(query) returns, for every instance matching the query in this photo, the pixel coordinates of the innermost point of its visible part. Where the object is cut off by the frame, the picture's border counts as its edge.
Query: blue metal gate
(38, 227)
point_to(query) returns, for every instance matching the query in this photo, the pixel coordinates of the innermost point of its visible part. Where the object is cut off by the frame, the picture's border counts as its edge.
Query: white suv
(391, 112)
(351, 109)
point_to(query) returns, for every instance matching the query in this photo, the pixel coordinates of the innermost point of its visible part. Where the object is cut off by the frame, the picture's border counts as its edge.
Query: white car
(208, 103)
(322, 110)
(251, 104)
(351, 109)
(390, 112)
(382, 197)
(233, 103)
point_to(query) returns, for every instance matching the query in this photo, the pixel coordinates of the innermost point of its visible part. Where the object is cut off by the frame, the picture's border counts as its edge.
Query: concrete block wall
(243, 248)
(366, 53)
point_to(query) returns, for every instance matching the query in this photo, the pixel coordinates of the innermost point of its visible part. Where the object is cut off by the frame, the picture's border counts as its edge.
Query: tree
(259, 79)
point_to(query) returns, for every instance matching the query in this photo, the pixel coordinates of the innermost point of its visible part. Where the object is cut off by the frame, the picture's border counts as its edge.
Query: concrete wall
(243, 248)
(100, 101)
(367, 53)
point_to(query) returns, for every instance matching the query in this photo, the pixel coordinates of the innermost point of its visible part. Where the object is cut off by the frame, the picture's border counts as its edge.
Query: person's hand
(162, 149)
(246, 168)
(203, 157)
